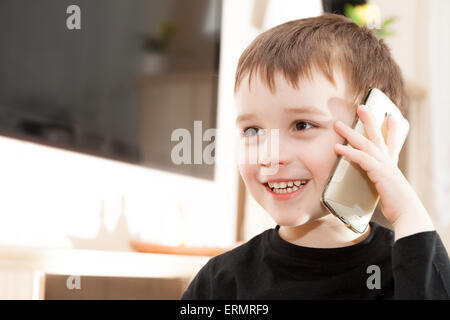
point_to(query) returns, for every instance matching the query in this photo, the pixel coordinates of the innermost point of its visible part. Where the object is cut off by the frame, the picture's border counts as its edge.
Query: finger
(365, 161)
(357, 140)
(370, 127)
(397, 131)
(393, 138)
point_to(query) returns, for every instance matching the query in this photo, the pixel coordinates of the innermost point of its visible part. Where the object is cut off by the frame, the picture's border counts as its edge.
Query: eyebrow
(296, 110)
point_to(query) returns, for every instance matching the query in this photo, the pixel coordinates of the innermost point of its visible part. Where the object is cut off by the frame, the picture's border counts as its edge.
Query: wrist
(412, 222)
(412, 217)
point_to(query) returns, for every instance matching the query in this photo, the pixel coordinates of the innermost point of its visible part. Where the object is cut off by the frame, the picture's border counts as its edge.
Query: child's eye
(302, 125)
(250, 131)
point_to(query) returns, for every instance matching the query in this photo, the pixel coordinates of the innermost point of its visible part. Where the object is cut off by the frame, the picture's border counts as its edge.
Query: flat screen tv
(110, 78)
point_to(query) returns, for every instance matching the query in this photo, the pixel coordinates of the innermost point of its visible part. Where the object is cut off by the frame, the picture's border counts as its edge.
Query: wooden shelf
(180, 250)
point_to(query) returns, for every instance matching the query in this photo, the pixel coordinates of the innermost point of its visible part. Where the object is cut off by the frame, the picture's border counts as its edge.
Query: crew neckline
(353, 254)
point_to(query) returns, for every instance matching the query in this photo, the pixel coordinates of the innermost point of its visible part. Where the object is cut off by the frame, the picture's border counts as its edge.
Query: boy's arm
(421, 267)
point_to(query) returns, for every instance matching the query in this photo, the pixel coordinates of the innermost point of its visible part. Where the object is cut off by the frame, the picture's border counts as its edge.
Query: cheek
(321, 159)
(248, 172)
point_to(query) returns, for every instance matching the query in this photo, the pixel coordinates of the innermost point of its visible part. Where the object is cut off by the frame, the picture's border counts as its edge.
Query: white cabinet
(23, 273)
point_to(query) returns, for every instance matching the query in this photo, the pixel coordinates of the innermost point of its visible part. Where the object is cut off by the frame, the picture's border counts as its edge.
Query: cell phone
(349, 194)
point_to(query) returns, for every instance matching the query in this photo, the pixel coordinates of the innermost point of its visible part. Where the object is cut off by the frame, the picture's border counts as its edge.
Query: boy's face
(306, 142)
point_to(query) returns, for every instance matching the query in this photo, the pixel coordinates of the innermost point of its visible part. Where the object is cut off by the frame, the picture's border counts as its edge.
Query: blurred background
(91, 94)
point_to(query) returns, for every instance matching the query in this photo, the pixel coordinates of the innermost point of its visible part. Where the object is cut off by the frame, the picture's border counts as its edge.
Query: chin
(294, 220)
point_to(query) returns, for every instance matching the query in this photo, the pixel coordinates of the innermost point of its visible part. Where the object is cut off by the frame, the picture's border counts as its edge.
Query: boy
(307, 78)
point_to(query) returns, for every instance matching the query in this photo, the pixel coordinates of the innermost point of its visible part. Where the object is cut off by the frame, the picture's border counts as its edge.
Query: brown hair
(296, 47)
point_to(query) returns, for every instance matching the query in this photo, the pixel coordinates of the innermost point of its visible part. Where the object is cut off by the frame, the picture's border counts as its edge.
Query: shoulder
(244, 253)
(219, 277)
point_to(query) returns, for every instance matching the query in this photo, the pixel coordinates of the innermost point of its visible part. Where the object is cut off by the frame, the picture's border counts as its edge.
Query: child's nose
(268, 161)
(273, 153)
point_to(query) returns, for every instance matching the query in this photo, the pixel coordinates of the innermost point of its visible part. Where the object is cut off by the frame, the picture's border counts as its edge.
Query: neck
(325, 232)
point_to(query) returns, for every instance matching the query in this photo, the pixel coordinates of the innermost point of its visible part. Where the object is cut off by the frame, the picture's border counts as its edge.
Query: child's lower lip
(286, 196)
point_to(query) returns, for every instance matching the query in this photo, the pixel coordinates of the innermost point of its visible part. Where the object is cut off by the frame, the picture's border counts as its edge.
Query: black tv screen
(110, 78)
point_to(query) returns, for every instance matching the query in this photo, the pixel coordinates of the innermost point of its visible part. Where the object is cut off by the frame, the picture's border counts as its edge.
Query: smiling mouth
(286, 187)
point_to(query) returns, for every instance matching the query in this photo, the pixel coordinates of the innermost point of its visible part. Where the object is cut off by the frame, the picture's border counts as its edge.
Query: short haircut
(325, 42)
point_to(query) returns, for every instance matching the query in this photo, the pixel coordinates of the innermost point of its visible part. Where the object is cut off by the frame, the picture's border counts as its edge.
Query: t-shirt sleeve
(201, 287)
(421, 267)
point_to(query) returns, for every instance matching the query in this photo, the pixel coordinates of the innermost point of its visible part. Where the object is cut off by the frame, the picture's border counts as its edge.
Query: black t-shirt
(268, 267)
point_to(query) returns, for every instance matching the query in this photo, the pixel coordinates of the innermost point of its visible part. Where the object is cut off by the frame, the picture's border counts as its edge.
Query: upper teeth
(285, 184)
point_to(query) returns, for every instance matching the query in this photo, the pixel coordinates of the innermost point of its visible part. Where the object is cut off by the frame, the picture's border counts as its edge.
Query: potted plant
(368, 14)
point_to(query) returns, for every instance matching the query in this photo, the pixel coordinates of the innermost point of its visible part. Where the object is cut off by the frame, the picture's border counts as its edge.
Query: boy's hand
(400, 204)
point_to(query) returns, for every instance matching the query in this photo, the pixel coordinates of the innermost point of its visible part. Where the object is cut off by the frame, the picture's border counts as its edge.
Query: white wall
(417, 55)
